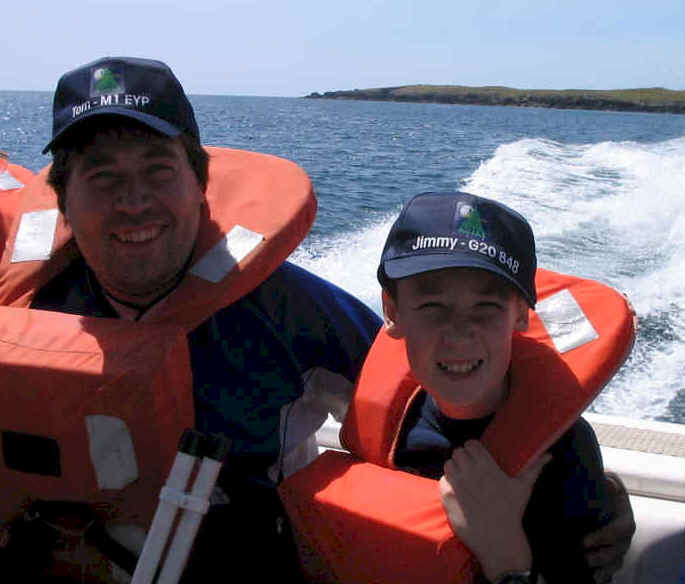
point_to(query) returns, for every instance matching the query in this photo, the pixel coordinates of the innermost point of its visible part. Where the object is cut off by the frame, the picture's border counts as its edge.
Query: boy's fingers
(604, 576)
(444, 485)
(531, 474)
(604, 557)
(453, 464)
(476, 448)
(615, 535)
(479, 455)
(448, 470)
(467, 455)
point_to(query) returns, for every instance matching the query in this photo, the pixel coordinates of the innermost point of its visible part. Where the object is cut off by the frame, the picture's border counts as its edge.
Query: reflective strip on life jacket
(342, 502)
(35, 235)
(12, 179)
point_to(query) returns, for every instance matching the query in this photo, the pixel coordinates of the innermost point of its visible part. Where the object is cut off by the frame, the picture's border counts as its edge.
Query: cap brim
(153, 122)
(418, 264)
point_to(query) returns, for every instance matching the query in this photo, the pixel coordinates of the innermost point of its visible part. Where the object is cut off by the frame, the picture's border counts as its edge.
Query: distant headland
(654, 99)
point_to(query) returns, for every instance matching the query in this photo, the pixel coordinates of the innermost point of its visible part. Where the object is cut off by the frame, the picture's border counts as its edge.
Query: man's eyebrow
(95, 158)
(100, 157)
(160, 151)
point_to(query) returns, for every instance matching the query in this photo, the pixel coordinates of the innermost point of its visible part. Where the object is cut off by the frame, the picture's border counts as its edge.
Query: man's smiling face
(134, 205)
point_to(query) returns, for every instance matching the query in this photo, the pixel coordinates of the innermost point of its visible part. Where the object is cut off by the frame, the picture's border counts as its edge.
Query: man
(130, 177)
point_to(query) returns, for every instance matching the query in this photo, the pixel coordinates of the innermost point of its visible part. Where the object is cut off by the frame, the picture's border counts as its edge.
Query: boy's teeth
(462, 367)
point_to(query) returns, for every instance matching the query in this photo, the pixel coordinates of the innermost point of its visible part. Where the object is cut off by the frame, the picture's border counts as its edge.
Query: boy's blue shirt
(568, 498)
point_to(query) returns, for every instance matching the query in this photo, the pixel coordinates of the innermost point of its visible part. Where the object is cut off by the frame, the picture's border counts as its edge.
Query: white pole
(166, 512)
(191, 518)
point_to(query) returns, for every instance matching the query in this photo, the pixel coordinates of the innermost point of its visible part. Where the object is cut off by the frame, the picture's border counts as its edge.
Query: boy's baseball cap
(460, 230)
(141, 89)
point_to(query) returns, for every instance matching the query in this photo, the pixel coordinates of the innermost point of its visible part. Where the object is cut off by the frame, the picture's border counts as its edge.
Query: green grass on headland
(655, 99)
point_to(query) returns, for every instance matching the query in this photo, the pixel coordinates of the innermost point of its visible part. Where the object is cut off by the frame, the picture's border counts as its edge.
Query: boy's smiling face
(458, 325)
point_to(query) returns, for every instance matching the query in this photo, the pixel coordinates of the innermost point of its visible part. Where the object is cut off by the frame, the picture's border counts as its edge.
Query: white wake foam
(613, 211)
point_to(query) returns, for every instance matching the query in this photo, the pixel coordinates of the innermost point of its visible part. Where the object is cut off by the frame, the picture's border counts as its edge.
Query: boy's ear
(390, 316)
(522, 316)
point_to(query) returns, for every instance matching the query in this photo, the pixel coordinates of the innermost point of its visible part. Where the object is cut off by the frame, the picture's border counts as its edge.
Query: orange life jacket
(370, 522)
(259, 207)
(12, 179)
(91, 409)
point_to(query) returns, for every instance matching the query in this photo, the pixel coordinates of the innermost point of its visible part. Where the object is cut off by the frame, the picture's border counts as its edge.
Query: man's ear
(65, 213)
(522, 316)
(390, 316)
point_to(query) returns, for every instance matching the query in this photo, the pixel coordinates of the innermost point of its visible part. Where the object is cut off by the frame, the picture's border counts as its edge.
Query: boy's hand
(605, 548)
(485, 507)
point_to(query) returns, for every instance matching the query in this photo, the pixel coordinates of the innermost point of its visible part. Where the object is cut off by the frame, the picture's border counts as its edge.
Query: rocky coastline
(657, 100)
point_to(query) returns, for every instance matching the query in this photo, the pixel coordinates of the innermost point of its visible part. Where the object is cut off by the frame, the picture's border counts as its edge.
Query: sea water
(604, 192)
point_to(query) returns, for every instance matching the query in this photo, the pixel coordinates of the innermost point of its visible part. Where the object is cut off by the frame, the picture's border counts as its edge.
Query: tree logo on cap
(471, 223)
(106, 81)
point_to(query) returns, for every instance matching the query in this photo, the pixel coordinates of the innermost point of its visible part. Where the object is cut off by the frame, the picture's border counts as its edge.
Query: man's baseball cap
(141, 89)
(460, 230)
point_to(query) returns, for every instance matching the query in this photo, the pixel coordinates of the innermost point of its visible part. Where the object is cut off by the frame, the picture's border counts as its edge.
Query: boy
(458, 277)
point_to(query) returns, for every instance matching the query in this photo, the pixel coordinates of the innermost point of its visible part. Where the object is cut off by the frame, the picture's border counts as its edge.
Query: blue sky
(294, 47)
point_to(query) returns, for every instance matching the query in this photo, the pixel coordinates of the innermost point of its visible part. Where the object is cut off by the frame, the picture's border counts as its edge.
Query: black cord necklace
(97, 289)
